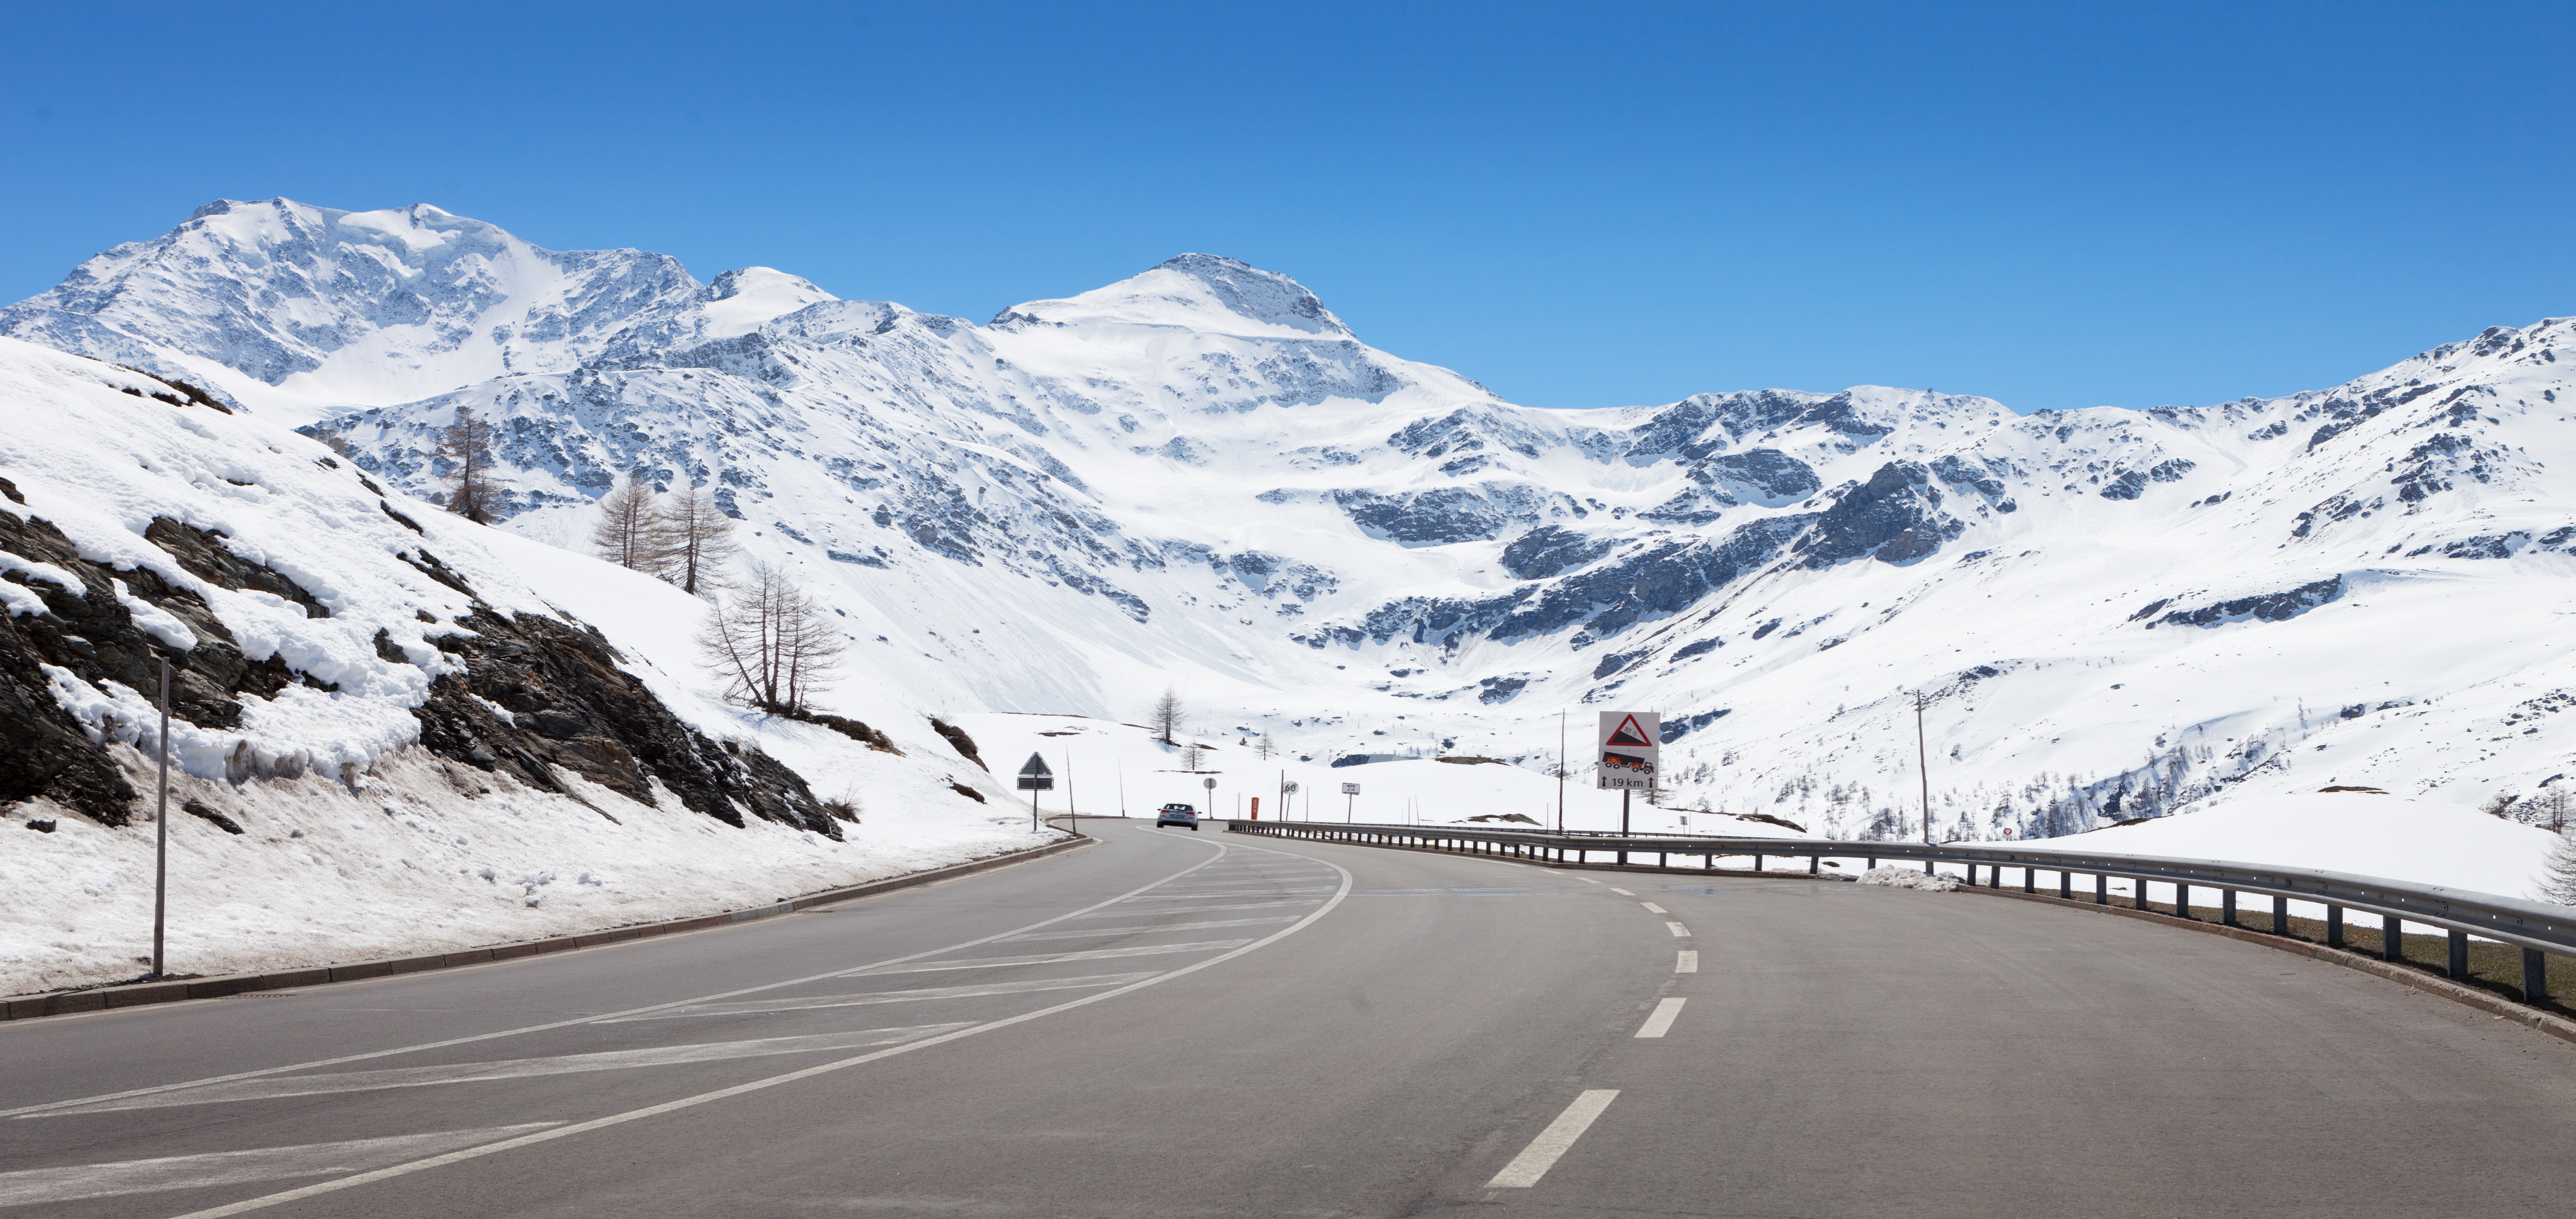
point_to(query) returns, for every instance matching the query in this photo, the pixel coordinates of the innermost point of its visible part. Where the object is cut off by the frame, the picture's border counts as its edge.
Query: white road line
(1229, 891)
(1687, 962)
(1621, 892)
(1660, 1021)
(1223, 922)
(323, 1187)
(516, 1068)
(1677, 929)
(1551, 1143)
(38, 1186)
(1123, 912)
(1652, 908)
(811, 1002)
(1044, 958)
(33, 1110)
(1587, 880)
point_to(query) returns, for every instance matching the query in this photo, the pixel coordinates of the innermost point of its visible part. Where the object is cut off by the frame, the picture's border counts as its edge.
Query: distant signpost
(1035, 778)
(1350, 797)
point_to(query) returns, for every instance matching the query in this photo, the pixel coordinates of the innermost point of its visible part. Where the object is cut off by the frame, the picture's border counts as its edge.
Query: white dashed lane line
(1652, 908)
(1687, 962)
(1552, 1143)
(1661, 1020)
(1677, 929)
(1621, 892)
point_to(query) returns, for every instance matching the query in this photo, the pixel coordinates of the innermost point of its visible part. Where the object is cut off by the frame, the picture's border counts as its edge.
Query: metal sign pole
(161, 819)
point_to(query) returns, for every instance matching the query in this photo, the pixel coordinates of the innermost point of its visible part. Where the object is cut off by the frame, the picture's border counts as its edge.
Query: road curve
(1178, 1024)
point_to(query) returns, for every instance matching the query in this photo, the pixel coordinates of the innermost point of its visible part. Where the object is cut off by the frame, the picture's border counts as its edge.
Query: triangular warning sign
(1036, 766)
(1629, 734)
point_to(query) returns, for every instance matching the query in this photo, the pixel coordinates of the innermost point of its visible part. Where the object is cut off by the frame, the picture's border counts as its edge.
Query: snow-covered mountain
(1198, 477)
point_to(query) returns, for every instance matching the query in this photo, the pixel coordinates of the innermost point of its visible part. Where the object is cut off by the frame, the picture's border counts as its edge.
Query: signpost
(1035, 778)
(1351, 791)
(1629, 749)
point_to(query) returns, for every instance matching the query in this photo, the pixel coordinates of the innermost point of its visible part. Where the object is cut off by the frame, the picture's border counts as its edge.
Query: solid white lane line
(1687, 962)
(810, 1002)
(1045, 958)
(1552, 1143)
(1660, 1021)
(38, 1186)
(1652, 908)
(516, 1068)
(1200, 895)
(1677, 929)
(1223, 922)
(33, 1110)
(323, 1187)
(1621, 892)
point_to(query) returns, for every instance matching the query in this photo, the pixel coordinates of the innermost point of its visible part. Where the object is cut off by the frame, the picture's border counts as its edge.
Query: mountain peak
(1200, 292)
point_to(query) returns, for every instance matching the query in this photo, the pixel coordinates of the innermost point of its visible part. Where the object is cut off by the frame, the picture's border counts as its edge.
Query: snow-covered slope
(1199, 478)
(392, 729)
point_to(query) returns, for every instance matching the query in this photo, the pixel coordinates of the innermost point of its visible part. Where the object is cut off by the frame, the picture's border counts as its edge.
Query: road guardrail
(2537, 928)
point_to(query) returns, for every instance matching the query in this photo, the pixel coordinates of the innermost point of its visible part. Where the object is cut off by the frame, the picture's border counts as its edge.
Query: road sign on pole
(1035, 778)
(1629, 748)
(1350, 797)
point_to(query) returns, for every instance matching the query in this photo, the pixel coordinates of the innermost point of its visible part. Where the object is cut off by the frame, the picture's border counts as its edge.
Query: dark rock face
(1895, 517)
(958, 740)
(1427, 518)
(570, 706)
(43, 750)
(2268, 607)
(1676, 729)
(1550, 551)
(1764, 476)
(573, 707)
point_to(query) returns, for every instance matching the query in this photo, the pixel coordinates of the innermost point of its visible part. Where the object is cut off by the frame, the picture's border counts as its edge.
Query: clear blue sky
(1579, 205)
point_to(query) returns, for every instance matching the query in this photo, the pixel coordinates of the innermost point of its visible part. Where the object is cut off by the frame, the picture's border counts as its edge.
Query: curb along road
(25, 1007)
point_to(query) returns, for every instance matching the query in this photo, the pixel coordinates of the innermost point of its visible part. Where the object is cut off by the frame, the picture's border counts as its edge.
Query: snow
(2359, 833)
(1198, 479)
(325, 872)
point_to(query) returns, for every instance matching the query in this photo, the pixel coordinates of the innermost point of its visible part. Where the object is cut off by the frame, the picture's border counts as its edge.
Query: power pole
(161, 828)
(1560, 770)
(1923, 767)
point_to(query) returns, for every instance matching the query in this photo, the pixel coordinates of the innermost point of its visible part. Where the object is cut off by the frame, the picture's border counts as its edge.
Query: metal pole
(1070, 812)
(1560, 771)
(1923, 767)
(1033, 808)
(1624, 793)
(161, 839)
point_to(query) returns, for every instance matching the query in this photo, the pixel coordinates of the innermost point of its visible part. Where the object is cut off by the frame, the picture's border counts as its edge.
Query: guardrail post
(2101, 888)
(1663, 859)
(2182, 900)
(2334, 926)
(2227, 907)
(2280, 915)
(1757, 863)
(2458, 965)
(1873, 864)
(2065, 885)
(2392, 938)
(1972, 874)
(2535, 975)
(2029, 879)
(2141, 894)
(1815, 864)
(1994, 876)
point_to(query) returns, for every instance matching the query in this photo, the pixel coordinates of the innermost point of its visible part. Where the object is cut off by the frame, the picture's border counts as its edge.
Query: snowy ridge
(1199, 477)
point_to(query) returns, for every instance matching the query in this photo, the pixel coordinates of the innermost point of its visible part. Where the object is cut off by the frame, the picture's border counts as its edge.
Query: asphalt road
(1178, 1024)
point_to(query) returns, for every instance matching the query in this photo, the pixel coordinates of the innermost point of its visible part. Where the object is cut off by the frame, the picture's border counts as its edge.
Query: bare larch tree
(1166, 715)
(631, 531)
(770, 642)
(699, 537)
(468, 444)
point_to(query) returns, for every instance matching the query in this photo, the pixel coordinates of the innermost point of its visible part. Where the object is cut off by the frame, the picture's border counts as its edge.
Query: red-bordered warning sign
(1631, 750)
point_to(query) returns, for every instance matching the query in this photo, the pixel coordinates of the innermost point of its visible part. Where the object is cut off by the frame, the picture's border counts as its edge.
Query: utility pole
(1560, 770)
(1923, 767)
(161, 827)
